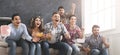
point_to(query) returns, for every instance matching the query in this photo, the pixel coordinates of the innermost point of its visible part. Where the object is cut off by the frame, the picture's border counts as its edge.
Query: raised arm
(105, 42)
(80, 32)
(73, 8)
(72, 11)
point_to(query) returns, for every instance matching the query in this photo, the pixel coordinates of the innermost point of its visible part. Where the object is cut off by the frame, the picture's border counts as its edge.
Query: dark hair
(16, 14)
(95, 26)
(60, 7)
(71, 16)
(54, 13)
(32, 24)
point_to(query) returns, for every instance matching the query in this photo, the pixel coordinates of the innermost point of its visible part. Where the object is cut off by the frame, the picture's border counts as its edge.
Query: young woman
(36, 31)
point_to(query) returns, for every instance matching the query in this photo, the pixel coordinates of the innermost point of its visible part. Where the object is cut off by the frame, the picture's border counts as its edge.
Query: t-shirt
(17, 33)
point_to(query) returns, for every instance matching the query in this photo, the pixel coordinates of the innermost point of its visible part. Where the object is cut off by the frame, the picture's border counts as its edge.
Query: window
(100, 12)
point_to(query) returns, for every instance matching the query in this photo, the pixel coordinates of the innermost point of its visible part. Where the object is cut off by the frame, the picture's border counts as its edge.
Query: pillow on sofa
(4, 31)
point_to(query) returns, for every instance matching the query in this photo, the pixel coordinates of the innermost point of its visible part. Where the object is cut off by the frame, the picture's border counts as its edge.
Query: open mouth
(18, 22)
(56, 20)
(38, 24)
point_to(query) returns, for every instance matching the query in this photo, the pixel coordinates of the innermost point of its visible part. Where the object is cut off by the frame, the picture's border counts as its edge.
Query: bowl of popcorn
(40, 34)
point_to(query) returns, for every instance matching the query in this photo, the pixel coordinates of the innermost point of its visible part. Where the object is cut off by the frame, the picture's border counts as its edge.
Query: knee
(45, 45)
(70, 49)
(11, 43)
(32, 45)
(95, 52)
(77, 49)
(38, 45)
(14, 44)
(25, 44)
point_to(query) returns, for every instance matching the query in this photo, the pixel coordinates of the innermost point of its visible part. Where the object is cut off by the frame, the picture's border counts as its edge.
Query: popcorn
(40, 34)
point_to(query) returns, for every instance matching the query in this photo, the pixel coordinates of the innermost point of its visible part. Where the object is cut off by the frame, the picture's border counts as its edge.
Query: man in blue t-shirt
(15, 39)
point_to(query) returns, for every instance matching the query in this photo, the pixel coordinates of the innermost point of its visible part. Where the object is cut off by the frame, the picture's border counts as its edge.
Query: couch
(4, 46)
(4, 49)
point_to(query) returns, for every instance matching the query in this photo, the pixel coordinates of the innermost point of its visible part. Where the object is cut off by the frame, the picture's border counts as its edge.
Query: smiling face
(16, 21)
(95, 30)
(73, 20)
(37, 22)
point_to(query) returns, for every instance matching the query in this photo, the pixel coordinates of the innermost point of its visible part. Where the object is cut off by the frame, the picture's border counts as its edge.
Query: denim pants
(99, 52)
(35, 49)
(13, 44)
(61, 46)
(76, 49)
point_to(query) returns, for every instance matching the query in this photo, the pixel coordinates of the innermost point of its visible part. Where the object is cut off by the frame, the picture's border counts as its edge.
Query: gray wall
(31, 8)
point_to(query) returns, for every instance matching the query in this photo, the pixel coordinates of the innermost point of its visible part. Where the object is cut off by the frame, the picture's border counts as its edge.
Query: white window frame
(98, 12)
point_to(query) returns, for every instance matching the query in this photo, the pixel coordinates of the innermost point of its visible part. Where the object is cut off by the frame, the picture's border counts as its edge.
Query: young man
(65, 16)
(53, 31)
(94, 43)
(18, 29)
(75, 33)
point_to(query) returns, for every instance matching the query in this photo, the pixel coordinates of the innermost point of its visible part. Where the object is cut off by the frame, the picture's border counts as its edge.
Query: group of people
(59, 34)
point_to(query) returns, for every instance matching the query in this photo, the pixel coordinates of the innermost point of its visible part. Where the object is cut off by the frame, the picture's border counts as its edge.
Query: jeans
(99, 52)
(76, 49)
(61, 46)
(14, 43)
(69, 52)
(35, 49)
